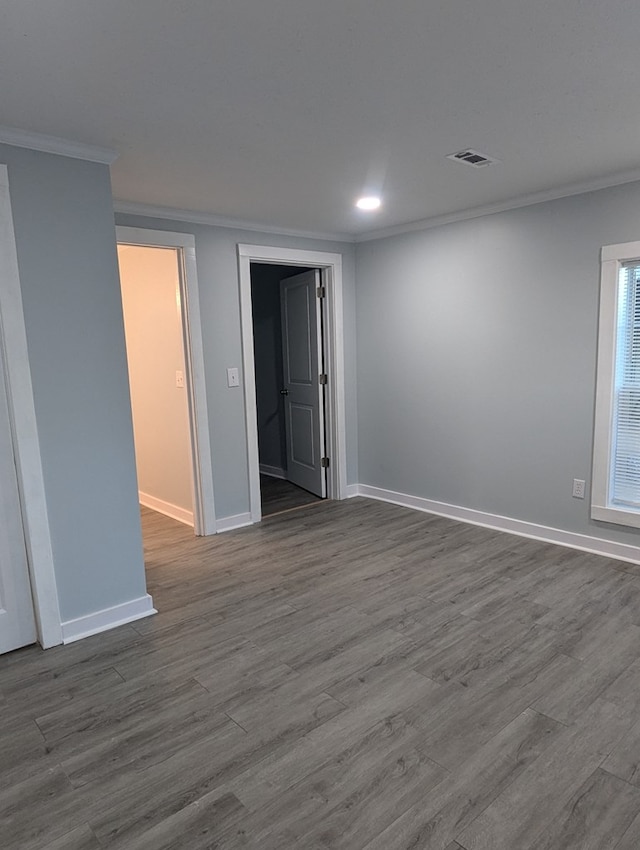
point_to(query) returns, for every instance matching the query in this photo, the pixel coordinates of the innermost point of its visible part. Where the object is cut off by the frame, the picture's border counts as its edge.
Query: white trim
(107, 618)
(352, 490)
(166, 508)
(272, 471)
(154, 238)
(25, 432)
(621, 252)
(228, 523)
(604, 388)
(518, 202)
(583, 542)
(213, 220)
(602, 508)
(204, 507)
(331, 268)
(53, 144)
(616, 515)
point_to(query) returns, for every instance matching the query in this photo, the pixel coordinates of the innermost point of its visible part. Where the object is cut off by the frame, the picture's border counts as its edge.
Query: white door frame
(204, 516)
(331, 272)
(26, 444)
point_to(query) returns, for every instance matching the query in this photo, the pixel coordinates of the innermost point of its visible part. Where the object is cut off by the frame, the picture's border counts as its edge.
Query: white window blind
(625, 465)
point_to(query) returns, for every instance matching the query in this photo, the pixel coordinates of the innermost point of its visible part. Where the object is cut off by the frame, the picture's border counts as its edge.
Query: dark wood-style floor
(352, 675)
(277, 495)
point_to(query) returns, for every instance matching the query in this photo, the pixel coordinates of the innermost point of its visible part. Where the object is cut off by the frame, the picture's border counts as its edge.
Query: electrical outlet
(179, 378)
(578, 488)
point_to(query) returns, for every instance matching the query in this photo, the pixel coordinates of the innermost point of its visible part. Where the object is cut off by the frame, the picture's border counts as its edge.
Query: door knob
(284, 392)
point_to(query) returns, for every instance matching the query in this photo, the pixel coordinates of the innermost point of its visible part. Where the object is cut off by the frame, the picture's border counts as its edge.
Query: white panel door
(303, 393)
(17, 620)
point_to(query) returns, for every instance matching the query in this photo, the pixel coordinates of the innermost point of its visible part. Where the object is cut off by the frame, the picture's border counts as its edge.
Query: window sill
(619, 516)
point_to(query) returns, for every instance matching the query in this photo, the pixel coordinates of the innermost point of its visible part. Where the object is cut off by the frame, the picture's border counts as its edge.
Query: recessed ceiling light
(368, 203)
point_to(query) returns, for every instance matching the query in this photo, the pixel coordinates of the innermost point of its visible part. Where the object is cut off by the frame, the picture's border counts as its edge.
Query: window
(616, 450)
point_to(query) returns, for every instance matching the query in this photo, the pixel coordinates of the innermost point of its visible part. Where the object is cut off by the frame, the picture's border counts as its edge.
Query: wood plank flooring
(350, 675)
(277, 495)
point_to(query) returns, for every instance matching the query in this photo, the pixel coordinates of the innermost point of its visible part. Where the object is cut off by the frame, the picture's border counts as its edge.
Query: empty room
(353, 562)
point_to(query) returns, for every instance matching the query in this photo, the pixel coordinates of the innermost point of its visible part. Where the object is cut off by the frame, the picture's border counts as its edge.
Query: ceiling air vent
(471, 157)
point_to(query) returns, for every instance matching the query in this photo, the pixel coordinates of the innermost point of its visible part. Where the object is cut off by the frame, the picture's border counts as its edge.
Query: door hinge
(324, 463)
(320, 292)
(323, 379)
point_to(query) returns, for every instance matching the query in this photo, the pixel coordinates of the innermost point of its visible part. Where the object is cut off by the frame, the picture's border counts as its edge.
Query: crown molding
(53, 144)
(567, 191)
(193, 217)
(503, 206)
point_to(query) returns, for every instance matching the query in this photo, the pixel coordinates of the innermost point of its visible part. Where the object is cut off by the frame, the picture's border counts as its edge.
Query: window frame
(612, 259)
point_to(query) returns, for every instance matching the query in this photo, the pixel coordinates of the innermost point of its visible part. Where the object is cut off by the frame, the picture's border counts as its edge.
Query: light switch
(233, 377)
(179, 378)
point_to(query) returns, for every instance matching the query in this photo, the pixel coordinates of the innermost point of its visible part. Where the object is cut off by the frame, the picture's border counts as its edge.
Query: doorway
(288, 355)
(150, 288)
(160, 299)
(329, 274)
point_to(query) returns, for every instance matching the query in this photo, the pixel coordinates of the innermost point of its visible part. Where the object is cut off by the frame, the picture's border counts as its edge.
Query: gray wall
(477, 355)
(476, 362)
(217, 261)
(63, 221)
(267, 342)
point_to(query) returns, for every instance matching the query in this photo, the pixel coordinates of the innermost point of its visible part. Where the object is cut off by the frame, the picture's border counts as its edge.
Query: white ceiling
(284, 111)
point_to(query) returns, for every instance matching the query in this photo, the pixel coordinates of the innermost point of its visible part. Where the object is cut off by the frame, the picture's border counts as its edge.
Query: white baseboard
(166, 508)
(352, 490)
(272, 471)
(108, 618)
(228, 523)
(584, 542)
